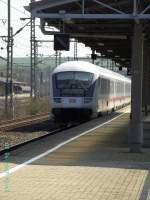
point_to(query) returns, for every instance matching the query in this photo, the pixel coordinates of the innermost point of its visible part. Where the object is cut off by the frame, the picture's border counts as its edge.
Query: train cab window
(83, 79)
(62, 79)
(73, 80)
(83, 76)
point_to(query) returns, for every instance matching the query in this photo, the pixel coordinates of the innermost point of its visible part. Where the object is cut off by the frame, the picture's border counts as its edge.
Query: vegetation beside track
(25, 107)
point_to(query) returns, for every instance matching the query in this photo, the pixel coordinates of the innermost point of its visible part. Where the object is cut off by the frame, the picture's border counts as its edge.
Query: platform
(95, 166)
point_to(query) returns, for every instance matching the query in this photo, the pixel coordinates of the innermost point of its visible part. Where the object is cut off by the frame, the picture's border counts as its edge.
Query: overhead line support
(32, 55)
(109, 7)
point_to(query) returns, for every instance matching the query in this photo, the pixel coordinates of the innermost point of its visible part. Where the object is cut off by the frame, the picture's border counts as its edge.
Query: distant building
(2, 86)
(18, 87)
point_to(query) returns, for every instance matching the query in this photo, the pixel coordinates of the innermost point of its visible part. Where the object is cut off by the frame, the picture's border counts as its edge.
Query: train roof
(89, 67)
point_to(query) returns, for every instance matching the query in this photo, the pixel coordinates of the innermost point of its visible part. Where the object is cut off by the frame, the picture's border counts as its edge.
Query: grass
(25, 108)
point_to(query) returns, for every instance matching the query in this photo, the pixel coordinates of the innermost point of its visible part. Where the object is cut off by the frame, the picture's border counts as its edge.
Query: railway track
(16, 146)
(29, 124)
(28, 121)
(21, 144)
(17, 123)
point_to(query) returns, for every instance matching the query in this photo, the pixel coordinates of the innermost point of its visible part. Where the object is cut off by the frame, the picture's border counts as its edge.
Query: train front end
(72, 97)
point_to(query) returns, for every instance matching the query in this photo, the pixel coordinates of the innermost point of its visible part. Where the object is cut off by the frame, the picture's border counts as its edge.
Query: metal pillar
(9, 109)
(107, 65)
(75, 50)
(145, 77)
(112, 65)
(136, 132)
(56, 58)
(32, 55)
(35, 70)
(11, 73)
(93, 53)
(59, 58)
(8, 61)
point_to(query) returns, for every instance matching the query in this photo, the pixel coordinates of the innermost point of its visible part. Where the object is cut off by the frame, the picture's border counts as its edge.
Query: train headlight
(87, 100)
(57, 100)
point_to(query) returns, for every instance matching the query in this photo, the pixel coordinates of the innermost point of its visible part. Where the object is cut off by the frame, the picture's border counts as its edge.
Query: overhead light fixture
(62, 12)
(117, 56)
(68, 21)
(109, 50)
(100, 44)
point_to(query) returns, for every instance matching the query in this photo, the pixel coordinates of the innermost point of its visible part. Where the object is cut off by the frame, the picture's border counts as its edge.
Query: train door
(99, 95)
(95, 106)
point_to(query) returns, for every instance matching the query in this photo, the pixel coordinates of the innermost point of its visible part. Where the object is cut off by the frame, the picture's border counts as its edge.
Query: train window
(119, 88)
(64, 76)
(73, 80)
(112, 87)
(83, 79)
(62, 79)
(105, 86)
(83, 76)
(127, 89)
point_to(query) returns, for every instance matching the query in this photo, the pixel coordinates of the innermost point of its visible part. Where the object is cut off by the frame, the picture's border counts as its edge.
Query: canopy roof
(104, 25)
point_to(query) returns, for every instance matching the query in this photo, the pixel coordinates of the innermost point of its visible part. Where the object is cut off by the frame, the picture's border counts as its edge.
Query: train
(80, 90)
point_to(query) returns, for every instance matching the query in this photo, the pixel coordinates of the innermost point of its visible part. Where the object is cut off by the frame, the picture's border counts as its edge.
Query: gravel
(23, 134)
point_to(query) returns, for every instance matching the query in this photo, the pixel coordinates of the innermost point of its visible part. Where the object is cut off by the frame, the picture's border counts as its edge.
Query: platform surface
(96, 166)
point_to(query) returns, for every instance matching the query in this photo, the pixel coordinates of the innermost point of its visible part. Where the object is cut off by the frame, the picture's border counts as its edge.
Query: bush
(33, 107)
(36, 106)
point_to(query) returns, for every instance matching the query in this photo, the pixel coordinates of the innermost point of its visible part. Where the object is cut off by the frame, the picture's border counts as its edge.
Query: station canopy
(104, 25)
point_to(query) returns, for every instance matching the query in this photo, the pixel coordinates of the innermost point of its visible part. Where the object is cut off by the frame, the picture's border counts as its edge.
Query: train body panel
(86, 89)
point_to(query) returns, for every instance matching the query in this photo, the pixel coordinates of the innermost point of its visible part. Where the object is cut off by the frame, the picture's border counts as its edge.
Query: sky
(22, 40)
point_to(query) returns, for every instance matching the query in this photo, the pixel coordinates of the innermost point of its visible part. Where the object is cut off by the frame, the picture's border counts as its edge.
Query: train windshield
(74, 80)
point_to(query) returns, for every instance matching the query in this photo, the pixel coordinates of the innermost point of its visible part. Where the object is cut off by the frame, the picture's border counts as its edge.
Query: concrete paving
(96, 166)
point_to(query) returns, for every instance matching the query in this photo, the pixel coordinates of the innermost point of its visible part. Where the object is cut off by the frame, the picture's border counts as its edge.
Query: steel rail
(11, 124)
(19, 145)
(58, 130)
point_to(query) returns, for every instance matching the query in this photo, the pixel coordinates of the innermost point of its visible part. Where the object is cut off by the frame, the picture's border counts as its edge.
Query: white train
(82, 90)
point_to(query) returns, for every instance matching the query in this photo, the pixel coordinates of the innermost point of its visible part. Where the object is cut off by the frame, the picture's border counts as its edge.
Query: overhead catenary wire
(14, 8)
(18, 31)
(18, 47)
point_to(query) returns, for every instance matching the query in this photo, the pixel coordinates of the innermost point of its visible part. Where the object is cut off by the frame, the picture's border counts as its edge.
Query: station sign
(61, 42)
